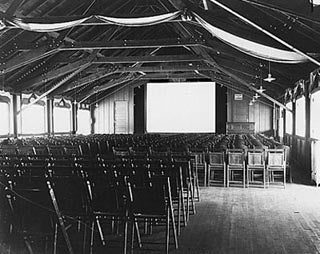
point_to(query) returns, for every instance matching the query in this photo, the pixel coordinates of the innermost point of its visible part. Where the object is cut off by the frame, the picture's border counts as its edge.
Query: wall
(262, 115)
(240, 111)
(104, 114)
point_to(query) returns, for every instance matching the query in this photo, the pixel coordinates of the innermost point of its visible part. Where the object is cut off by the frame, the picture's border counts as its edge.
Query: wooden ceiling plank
(111, 83)
(14, 6)
(83, 81)
(148, 59)
(52, 75)
(26, 58)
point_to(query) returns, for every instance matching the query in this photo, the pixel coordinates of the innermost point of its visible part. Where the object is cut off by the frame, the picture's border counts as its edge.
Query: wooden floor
(243, 221)
(255, 220)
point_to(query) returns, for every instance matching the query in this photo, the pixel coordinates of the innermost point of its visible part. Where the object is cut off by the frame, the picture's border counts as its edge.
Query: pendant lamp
(269, 78)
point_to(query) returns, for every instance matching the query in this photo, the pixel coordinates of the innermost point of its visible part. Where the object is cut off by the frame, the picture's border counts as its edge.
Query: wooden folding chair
(154, 203)
(216, 168)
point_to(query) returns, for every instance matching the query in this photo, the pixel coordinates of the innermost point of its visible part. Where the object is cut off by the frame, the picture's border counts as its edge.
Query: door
(121, 121)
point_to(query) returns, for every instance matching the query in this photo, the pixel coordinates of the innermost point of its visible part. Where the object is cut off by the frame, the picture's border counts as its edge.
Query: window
(301, 116)
(33, 117)
(289, 119)
(5, 120)
(281, 120)
(33, 120)
(315, 116)
(62, 116)
(84, 121)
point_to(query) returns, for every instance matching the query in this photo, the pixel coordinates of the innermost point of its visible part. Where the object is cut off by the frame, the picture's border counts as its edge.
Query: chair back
(276, 157)
(235, 157)
(216, 158)
(255, 157)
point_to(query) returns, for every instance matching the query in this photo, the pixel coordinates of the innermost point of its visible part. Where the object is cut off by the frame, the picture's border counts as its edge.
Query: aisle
(254, 220)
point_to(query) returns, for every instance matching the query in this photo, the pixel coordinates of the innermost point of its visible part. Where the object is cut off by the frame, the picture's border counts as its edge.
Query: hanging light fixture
(261, 90)
(256, 96)
(269, 78)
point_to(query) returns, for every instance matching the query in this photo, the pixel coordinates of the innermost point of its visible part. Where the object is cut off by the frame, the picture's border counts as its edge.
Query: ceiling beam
(26, 58)
(85, 80)
(97, 89)
(114, 90)
(171, 75)
(117, 44)
(14, 6)
(60, 83)
(51, 75)
(36, 53)
(148, 59)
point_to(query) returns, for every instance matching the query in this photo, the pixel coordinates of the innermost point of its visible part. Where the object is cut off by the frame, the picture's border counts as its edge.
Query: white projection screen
(185, 107)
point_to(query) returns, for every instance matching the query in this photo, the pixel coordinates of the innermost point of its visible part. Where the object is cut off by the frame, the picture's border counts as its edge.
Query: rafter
(53, 74)
(122, 79)
(148, 59)
(13, 7)
(118, 44)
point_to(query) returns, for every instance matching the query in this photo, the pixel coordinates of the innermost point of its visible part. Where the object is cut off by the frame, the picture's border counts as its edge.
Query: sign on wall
(238, 96)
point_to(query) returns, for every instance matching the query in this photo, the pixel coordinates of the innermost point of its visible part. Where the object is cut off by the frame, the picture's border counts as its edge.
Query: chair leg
(92, 237)
(84, 238)
(179, 215)
(100, 232)
(173, 226)
(205, 180)
(167, 231)
(125, 235)
(28, 245)
(138, 234)
(244, 178)
(61, 222)
(228, 177)
(132, 235)
(192, 196)
(55, 241)
(183, 208)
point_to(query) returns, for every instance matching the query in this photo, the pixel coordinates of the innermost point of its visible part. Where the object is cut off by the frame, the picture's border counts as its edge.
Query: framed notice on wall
(238, 96)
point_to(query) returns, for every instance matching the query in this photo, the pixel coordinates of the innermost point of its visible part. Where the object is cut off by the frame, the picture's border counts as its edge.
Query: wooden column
(284, 114)
(15, 115)
(74, 115)
(294, 139)
(294, 118)
(49, 116)
(93, 119)
(308, 132)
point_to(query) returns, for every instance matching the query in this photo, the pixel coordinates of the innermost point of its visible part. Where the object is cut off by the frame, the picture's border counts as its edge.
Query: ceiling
(87, 62)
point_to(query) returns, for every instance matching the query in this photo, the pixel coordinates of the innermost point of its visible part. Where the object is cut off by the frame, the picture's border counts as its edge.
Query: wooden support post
(307, 134)
(49, 116)
(15, 115)
(284, 114)
(294, 139)
(93, 119)
(74, 118)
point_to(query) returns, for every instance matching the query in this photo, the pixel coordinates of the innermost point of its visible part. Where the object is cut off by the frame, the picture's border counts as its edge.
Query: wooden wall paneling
(105, 111)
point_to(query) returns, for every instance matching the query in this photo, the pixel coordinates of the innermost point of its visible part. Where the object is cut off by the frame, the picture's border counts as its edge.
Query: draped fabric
(40, 27)
(252, 48)
(53, 27)
(248, 47)
(145, 21)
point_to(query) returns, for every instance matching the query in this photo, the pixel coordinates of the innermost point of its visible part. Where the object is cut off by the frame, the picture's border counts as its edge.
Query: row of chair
(97, 189)
(246, 167)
